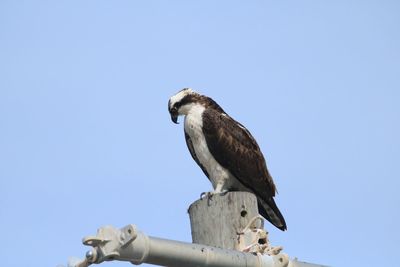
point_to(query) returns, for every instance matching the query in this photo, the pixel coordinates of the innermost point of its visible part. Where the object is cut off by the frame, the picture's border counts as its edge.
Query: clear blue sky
(86, 139)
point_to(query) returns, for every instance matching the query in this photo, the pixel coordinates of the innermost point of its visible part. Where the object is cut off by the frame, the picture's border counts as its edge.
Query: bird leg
(219, 188)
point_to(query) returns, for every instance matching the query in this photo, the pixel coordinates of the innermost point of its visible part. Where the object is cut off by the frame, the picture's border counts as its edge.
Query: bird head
(181, 102)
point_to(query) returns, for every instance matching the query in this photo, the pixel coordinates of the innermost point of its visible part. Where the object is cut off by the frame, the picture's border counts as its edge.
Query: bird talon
(223, 192)
(203, 194)
(210, 195)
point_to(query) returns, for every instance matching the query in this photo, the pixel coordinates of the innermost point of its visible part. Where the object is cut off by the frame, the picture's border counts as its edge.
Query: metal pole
(129, 244)
(173, 253)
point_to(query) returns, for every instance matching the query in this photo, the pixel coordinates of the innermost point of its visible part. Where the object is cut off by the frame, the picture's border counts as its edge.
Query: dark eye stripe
(185, 100)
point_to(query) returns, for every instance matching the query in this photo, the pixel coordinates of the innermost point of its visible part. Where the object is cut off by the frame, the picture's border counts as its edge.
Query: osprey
(225, 150)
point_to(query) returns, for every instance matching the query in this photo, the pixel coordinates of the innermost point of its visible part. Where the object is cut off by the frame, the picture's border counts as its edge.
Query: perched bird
(225, 150)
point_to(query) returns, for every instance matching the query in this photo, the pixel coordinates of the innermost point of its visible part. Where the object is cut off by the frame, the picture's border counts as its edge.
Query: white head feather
(179, 96)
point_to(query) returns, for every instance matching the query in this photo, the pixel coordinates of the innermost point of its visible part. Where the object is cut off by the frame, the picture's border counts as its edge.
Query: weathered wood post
(216, 221)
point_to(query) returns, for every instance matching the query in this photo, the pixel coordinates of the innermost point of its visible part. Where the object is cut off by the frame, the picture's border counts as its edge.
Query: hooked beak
(173, 111)
(174, 117)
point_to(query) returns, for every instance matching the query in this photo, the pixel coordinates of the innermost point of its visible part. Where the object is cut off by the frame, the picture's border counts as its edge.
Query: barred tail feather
(269, 210)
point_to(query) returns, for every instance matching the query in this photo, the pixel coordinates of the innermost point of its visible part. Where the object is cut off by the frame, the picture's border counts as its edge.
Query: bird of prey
(225, 150)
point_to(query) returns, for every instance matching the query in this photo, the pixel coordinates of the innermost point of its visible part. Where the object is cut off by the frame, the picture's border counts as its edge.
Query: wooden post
(217, 221)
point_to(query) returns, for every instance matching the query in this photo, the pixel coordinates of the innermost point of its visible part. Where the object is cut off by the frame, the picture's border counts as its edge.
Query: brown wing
(235, 149)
